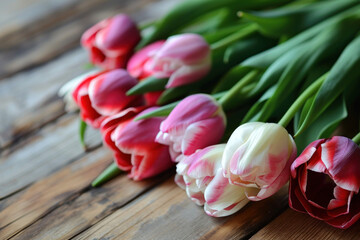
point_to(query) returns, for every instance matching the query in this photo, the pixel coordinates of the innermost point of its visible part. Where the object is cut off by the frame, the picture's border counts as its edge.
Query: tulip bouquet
(242, 96)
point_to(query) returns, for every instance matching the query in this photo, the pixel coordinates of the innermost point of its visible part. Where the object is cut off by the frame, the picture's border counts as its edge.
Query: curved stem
(246, 31)
(108, 174)
(356, 139)
(300, 101)
(226, 100)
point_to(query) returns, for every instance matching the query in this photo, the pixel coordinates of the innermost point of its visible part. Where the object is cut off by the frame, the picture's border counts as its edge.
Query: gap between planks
(167, 213)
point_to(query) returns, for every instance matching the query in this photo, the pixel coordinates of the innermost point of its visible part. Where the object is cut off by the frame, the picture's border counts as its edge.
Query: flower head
(103, 94)
(200, 174)
(111, 41)
(258, 156)
(196, 122)
(133, 143)
(325, 181)
(183, 59)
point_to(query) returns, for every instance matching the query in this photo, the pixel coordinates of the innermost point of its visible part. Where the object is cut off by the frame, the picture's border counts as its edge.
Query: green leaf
(264, 59)
(254, 111)
(247, 47)
(306, 56)
(187, 11)
(150, 84)
(172, 94)
(345, 71)
(210, 22)
(109, 173)
(82, 130)
(159, 112)
(212, 37)
(290, 20)
(323, 126)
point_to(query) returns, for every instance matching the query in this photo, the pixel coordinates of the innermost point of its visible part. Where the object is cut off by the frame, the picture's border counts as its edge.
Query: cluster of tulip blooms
(214, 92)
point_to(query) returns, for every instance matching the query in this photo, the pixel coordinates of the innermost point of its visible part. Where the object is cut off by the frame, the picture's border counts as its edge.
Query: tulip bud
(325, 181)
(111, 41)
(66, 91)
(258, 156)
(133, 143)
(196, 122)
(139, 65)
(104, 94)
(200, 174)
(183, 59)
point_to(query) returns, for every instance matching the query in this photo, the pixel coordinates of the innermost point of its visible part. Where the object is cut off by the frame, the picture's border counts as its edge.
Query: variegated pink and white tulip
(196, 122)
(258, 156)
(66, 91)
(104, 94)
(183, 59)
(140, 64)
(200, 174)
(111, 41)
(325, 181)
(133, 143)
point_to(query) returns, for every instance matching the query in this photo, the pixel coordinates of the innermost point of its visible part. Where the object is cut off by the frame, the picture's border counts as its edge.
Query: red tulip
(111, 41)
(183, 58)
(103, 94)
(133, 143)
(325, 181)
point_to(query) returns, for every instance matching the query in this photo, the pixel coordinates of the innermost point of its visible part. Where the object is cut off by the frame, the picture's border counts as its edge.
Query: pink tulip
(133, 143)
(183, 59)
(196, 122)
(140, 64)
(200, 174)
(103, 94)
(258, 156)
(325, 181)
(111, 41)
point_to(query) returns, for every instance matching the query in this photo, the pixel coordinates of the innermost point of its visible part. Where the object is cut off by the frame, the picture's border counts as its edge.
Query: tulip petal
(108, 92)
(202, 134)
(345, 221)
(342, 159)
(139, 64)
(223, 199)
(188, 74)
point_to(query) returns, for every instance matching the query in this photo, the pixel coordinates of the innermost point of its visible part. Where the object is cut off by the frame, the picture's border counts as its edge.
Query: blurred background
(40, 51)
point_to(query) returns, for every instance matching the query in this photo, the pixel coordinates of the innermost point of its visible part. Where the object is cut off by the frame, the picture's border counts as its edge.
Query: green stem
(108, 174)
(356, 139)
(82, 131)
(226, 100)
(246, 31)
(300, 101)
(146, 24)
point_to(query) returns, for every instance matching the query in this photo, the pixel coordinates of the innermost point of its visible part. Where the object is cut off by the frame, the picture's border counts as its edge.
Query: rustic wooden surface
(45, 174)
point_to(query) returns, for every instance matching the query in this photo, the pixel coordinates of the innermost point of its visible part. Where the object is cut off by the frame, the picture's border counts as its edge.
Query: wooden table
(44, 172)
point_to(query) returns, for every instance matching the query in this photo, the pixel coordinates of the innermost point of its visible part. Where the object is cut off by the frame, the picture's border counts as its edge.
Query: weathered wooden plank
(58, 29)
(295, 225)
(51, 192)
(167, 213)
(91, 207)
(28, 100)
(47, 151)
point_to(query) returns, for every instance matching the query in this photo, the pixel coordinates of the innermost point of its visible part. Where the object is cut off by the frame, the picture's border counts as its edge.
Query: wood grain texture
(295, 225)
(75, 216)
(53, 191)
(47, 151)
(57, 29)
(167, 213)
(29, 99)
